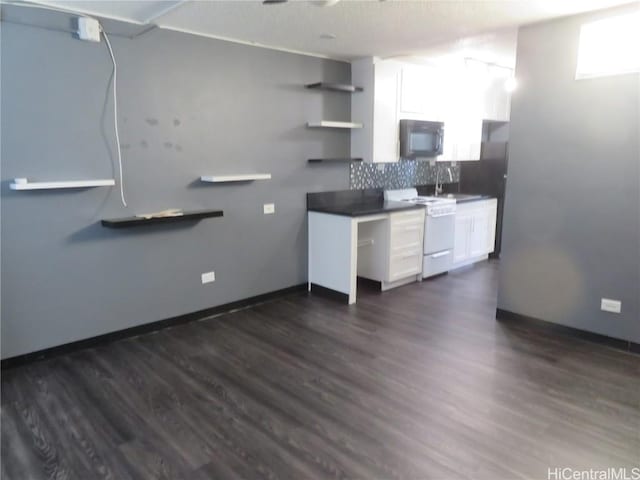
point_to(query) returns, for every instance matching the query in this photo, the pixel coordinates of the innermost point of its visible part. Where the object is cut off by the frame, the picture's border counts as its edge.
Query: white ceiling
(362, 27)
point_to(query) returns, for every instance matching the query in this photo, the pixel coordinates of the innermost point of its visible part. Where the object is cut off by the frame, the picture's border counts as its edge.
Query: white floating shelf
(332, 124)
(24, 184)
(249, 177)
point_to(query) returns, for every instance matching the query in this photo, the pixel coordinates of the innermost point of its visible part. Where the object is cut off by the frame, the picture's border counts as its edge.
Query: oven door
(439, 232)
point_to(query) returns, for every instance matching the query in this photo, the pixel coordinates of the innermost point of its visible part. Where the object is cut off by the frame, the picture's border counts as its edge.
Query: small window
(609, 47)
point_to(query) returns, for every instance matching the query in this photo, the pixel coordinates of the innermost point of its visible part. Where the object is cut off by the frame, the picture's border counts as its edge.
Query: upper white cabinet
(377, 106)
(464, 93)
(496, 99)
(460, 94)
(421, 89)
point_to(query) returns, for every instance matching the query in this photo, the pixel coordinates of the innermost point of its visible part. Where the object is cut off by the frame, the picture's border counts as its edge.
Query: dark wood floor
(419, 382)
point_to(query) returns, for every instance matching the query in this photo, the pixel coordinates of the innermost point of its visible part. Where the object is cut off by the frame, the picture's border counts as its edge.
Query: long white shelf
(248, 177)
(332, 124)
(24, 184)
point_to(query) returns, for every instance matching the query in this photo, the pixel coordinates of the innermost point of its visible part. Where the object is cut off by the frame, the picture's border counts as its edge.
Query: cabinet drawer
(403, 265)
(406, 236)
(437, 263)
(411, 217)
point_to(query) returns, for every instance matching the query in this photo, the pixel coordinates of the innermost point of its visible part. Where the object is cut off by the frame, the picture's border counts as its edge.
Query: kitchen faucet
(438, 189)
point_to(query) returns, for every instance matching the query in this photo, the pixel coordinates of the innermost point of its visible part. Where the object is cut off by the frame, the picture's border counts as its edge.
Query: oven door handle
(442, 215)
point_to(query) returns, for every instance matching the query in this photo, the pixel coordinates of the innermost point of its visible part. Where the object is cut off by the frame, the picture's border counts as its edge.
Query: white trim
(24, 184)
(333, 124)
(48, 6)
(235, 178)
(162, 12)
(587, 76)
(81, 12)
(252, 44)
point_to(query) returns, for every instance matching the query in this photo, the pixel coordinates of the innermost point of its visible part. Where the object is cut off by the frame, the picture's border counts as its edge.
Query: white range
(439, 229)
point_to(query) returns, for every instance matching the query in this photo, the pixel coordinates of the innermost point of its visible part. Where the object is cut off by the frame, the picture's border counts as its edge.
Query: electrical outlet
(269, 208)
(88, 29)
(609, 305)
(208, 277)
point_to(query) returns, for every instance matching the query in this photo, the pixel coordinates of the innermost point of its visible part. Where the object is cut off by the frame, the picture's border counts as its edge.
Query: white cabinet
(462, 236)
(474, 231)
(406, 233)
(377, 107)
(461, 95)
(463, 119)
(391, 251)
(421, 88)
(497, 100)
(462, 139)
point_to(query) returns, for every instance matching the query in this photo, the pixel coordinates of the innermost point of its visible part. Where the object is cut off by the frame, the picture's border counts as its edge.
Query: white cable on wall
(115, 112)
(115, 77)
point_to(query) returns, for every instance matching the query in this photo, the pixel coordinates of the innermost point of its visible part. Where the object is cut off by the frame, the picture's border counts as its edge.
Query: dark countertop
(360, 209)
(473, 198)
(355, 203)
(358, 203)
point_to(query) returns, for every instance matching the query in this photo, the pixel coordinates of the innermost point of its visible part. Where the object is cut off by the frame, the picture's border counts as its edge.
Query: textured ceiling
(362, 28)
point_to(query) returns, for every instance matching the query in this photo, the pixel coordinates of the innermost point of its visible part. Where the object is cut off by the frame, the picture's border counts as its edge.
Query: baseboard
(468, 262)
(330, 293)
(146, 328)
(399, 283)
(624, 345)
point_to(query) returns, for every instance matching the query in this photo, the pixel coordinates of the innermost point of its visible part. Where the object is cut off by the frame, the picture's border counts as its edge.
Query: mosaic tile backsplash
(403, 174)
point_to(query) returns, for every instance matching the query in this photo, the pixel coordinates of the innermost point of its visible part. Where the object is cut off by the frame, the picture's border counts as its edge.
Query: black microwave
(419, 138)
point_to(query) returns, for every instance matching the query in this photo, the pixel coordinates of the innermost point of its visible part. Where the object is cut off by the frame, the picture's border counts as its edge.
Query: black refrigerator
(488, 176)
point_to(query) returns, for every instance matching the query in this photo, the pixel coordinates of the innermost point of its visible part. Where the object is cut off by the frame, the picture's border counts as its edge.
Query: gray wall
(189, 106)
(572, 209)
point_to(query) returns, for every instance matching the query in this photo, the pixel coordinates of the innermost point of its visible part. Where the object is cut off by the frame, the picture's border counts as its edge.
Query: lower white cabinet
(391, 251)
(475, 231)
(406, 233)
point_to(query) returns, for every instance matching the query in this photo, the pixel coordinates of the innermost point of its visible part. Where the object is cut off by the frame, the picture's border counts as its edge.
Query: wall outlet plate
(269, 208)
(609, 305)
(88, 29)
(208, 277)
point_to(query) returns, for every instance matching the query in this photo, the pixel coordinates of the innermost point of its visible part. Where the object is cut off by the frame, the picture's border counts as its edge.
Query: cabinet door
(470, 138)
(479, 233)
(421, 93)
(503, 105)
(463, 122)
(462, 237)
(385, 113)
(483, 229)
(492, 207)
(412, 85)
(406, 230)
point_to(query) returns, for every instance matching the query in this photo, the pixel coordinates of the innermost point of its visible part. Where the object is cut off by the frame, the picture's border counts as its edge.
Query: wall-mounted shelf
(335, 87)
(332, 124)
(235, 178)
(24, 184)
(343, 160)
(127, 222)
